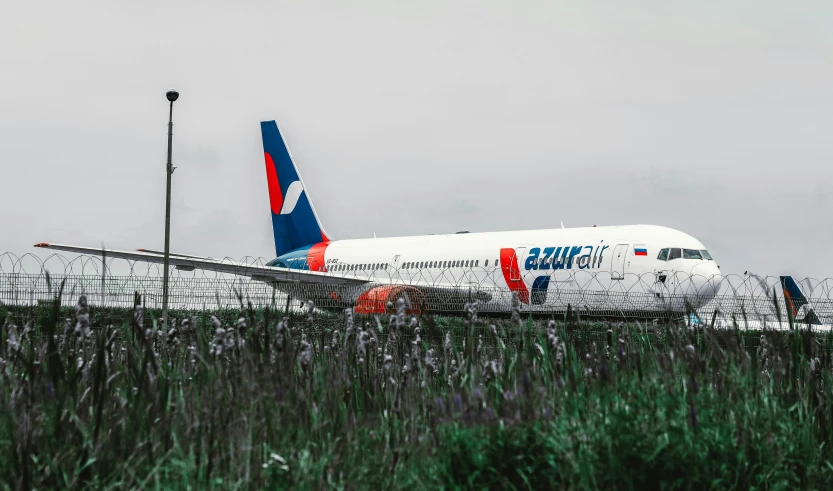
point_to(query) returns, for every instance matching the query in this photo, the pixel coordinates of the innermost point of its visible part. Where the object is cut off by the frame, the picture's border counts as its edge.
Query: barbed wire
(23, 281)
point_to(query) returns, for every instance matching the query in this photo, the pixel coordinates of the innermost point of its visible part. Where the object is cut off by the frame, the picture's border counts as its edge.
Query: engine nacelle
(375, 300)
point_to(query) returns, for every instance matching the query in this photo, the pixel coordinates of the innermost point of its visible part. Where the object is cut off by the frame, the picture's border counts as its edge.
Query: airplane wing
(190, 263)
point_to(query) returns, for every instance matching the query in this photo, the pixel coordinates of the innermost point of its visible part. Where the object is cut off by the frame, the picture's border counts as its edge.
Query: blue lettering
(574, 251)
(561, 260)
(585, 257)
(546, 260)
(531, 261)
(584, 260)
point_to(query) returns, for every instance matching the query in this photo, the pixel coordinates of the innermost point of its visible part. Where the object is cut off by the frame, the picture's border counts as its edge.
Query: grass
(250, 399)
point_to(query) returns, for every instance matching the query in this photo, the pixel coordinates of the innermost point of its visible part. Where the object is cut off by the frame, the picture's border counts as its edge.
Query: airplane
(762, 312)
(797, 304)
(614, 269)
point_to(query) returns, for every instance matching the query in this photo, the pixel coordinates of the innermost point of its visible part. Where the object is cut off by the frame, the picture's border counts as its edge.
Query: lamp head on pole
(172, 95)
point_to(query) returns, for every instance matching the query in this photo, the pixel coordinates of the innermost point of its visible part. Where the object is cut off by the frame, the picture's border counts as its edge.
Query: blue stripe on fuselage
(296, 259)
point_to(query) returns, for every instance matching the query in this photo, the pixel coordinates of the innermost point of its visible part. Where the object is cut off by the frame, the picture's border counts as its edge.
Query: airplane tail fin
(795, 300)
(294, 221)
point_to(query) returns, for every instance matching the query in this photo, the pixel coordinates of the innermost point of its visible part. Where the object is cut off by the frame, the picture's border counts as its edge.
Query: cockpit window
(691, 254)
(663, 255)
(675, 253)
(706, 255)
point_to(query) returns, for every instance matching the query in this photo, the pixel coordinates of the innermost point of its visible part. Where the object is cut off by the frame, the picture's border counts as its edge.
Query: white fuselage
(595, 267)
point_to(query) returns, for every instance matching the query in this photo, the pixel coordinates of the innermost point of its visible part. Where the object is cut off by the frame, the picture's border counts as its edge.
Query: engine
(375, 300)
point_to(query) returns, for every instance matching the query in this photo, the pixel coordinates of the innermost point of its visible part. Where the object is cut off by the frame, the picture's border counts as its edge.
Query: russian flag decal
(640, 251)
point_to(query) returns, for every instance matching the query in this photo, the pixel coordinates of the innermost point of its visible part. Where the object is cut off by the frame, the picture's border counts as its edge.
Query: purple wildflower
(457, 401)
(478, 394)
(489, 412)
(547, 413)
(508, 395)
(49, 389)
(440, 403)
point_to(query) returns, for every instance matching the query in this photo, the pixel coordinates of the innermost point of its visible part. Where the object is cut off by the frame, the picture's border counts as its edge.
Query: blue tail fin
(795, 299)
(294, 221)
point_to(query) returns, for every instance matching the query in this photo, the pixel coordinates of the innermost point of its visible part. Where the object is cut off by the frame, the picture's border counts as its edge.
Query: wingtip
(42, 244)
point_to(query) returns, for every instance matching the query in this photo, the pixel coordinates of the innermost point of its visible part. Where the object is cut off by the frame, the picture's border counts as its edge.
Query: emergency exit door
(617, 263)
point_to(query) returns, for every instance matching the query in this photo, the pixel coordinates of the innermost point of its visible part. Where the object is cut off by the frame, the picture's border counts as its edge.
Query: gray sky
(432, 117)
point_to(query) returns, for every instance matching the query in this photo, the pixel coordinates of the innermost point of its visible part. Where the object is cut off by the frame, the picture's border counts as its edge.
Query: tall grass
(257, 400)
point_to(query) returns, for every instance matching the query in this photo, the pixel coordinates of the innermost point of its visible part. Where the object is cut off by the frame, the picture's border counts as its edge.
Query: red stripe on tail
(275, 195)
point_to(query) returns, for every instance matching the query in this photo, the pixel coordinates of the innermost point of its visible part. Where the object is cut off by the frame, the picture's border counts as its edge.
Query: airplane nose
(707, 279)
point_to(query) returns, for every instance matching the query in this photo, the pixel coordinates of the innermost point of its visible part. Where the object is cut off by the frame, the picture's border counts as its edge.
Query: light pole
(172, 95)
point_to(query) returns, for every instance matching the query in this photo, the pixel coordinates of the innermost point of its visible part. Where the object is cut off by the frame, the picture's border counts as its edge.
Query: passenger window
(663, 255)
(476, 263)
(486, 265)
(675, 253)
(691, 254)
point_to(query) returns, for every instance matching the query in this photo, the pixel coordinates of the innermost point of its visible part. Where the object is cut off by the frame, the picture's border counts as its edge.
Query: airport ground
(250, 399)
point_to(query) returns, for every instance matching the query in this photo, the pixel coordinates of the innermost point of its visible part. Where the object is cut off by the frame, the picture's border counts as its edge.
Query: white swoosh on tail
(293, 193)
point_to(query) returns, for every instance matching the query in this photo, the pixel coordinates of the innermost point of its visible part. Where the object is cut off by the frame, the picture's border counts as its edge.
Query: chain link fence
(744, 299)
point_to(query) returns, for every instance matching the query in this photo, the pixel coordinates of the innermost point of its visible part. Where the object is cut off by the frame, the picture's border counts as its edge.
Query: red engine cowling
(375, 300)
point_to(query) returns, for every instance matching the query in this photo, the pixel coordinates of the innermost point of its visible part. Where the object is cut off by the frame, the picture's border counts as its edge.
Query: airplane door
(394, 267)
(515, 264)
(617, 263)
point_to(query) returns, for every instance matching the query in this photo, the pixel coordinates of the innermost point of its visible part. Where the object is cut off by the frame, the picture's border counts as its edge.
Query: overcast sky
(714, 118)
